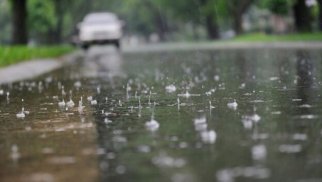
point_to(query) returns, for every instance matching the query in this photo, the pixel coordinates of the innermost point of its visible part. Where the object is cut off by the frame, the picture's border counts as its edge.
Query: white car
(100, 28)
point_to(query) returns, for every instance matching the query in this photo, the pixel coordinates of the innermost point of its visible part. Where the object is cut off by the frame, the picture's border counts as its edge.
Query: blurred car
(100, 28)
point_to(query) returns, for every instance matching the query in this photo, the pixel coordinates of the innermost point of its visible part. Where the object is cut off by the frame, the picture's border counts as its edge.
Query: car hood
(100, 27)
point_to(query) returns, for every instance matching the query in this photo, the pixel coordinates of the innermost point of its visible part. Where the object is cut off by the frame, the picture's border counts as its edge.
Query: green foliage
(141, 16)
(279, 7)
(140, 22)
(187, 10)
(41, 16)
(5, 21)
(260, 37)
(13, 54)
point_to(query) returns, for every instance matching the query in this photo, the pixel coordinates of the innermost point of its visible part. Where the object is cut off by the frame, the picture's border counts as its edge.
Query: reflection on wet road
(201, 115)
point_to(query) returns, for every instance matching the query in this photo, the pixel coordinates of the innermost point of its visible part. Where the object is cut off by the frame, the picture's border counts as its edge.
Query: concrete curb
(33, 68)
(159, 47)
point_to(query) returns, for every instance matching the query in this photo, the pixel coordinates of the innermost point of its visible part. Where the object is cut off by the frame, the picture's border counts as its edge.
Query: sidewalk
(29, 69)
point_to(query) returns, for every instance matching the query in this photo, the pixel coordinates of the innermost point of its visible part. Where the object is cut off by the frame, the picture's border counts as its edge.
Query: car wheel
(85, 47)
(117, 44)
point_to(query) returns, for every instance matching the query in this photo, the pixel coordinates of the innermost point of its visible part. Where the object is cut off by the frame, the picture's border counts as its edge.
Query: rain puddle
(205, 115)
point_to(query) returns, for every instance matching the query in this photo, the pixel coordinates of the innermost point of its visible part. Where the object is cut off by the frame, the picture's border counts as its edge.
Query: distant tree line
(49, 21)
(53, 21)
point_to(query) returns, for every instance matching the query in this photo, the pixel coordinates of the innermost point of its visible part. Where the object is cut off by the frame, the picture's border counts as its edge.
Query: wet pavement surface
(198, 115)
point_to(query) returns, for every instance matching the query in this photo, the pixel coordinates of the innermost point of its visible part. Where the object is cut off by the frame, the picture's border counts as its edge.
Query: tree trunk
(302, 16)
(19, 24)
(212, 28)
(238, 9)
(57, 36)
(211, 21)
(161, 25)
(320, 15)
(238, 24)
(160, 21)
(195, 33)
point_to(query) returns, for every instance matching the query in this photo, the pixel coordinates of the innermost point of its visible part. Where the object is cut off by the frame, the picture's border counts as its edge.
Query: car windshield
(100, 18)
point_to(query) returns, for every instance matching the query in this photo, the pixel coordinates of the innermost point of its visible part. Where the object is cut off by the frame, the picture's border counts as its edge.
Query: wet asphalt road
(186, 115)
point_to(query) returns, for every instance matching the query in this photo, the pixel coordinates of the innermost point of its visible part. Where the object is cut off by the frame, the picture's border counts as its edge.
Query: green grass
(260, 37)
(14, 54)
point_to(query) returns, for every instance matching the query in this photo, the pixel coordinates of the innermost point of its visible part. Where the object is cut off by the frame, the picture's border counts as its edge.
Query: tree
(139, 20)
(301, 12)
(279, 7)
(51, 21)
(208, 8)
(320, 15)
(41, 20)
(59, 13)
(238, 9)
(5, 22)
(19, 24)
(198, 12)
(159, 18)
(302, 18)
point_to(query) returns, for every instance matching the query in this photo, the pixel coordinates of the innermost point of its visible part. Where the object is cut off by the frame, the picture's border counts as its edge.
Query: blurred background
(39, 22)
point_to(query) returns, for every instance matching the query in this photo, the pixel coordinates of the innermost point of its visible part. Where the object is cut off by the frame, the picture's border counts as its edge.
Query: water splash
(152, 125)
(170, 88)
(21, 114)
(15, 155)
(232, 105)
(259, 152)
(208, 136)
(62, 104)
(188, 95)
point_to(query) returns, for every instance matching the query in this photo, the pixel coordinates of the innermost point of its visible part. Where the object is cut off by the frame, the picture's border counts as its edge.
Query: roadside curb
(159, 47)
(33, 68)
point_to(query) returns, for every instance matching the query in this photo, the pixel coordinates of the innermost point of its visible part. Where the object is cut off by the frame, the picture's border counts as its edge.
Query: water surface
(169, 116)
